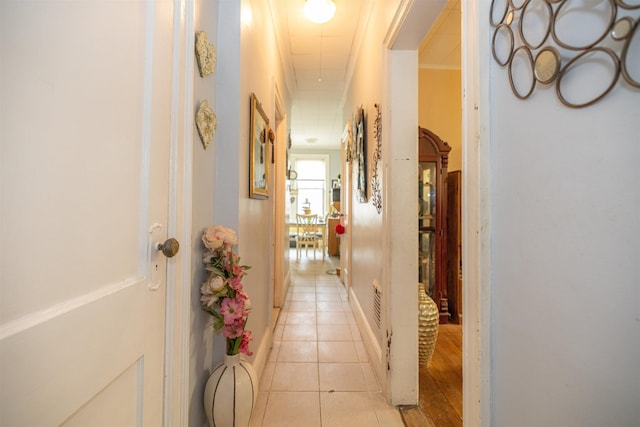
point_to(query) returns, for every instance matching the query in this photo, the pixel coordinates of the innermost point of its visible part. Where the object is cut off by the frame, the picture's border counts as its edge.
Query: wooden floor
(440, 384)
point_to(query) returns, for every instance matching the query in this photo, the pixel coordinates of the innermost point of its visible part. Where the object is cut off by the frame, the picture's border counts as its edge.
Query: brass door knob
(169, 248)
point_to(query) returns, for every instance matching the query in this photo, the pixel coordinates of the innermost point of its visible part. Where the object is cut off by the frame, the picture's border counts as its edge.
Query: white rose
(206, 257)
(215, 283)
(208, 299)
(211, 238)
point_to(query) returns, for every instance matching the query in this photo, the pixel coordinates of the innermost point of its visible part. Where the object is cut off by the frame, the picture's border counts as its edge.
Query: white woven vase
(231, 392)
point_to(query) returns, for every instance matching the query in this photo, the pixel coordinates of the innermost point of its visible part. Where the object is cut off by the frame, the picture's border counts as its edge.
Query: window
(311, 183)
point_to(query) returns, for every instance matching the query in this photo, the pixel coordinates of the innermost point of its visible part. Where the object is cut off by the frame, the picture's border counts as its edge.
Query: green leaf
(215, 270)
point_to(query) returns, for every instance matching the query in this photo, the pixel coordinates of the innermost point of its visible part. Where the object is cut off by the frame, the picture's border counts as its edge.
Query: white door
(85, 91)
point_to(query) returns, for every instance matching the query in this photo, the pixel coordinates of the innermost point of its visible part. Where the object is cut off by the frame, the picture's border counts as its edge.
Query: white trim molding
(476, 256)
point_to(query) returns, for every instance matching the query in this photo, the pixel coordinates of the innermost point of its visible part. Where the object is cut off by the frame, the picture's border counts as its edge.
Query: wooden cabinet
(454, 244)
(433, 157)
(333, 243)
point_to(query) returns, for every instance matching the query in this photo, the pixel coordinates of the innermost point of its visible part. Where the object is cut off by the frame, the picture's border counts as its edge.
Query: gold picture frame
(361, 156)
(259, 152)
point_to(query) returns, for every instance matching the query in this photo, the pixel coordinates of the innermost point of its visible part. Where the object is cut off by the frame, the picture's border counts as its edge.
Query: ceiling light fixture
(319, 11)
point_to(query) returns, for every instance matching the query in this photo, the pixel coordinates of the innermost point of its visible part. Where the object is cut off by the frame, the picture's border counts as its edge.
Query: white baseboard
(369, 338)
(262, 354)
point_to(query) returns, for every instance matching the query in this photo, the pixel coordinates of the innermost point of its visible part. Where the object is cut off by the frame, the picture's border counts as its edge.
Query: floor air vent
(377, 303)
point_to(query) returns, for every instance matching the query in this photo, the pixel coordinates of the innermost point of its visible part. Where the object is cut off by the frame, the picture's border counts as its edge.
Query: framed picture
(361, 155)
(259, 154)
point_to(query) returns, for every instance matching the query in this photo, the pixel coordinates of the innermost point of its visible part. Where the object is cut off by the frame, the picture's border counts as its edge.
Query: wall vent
(377, 303)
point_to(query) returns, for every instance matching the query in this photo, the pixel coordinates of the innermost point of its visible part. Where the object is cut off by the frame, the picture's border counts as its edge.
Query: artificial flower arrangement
(222, 294)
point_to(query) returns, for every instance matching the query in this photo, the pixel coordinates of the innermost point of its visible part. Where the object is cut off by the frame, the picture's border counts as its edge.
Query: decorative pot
(428, 319)
(231, 392)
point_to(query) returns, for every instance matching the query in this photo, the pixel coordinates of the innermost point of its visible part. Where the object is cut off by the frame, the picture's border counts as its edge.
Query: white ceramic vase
(231, 392)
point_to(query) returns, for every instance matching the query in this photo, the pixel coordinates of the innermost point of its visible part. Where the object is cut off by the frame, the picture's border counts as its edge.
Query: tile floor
(318, 373)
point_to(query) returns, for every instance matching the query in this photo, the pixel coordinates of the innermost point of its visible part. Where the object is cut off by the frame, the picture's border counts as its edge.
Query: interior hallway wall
(201, 333)
(248, 62)
(565, 239)
(440, 108)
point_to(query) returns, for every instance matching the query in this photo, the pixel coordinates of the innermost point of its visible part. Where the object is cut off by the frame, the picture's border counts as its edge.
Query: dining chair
(307, 234)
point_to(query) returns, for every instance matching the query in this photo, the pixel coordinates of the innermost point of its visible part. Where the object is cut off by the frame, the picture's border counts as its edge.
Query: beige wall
(248, 62)
(366, 235)
(440, 109)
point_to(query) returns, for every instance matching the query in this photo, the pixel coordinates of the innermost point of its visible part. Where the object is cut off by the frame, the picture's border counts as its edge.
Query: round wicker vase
(428, 318)
(231, 392)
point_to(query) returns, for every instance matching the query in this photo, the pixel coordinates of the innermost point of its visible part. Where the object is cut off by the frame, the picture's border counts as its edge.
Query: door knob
(169, 248)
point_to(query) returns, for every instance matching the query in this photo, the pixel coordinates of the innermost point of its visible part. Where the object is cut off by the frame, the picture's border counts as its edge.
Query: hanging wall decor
(376, 181)
(347, 139)
(258, 162)
(206, 123)
(581, 46)
(272, 142)
(205, 54)
(361, 156)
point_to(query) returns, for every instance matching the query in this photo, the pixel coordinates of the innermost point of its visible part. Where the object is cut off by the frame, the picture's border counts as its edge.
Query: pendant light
(319, 11)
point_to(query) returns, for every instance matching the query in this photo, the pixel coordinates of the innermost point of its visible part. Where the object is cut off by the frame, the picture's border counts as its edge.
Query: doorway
(280, 268)
(440, 111)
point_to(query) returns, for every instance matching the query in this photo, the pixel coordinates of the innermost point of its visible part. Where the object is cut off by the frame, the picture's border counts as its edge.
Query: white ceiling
(318, 60)
(441, 45)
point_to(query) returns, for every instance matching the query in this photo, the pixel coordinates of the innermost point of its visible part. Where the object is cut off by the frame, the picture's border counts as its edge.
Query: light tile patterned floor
(318, 373)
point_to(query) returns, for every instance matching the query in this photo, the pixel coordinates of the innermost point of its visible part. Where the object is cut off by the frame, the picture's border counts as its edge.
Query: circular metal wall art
(578, 16)
(631, 55)
(502, 45)
(521, 73)
(547, 65)
(598, 60)
(498, 12)
(536, 14)
(622, 28)
(593, 62)
(518, 4)
(628, 4)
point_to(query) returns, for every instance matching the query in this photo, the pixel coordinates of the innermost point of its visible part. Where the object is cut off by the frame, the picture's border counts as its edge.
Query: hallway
(318, 372)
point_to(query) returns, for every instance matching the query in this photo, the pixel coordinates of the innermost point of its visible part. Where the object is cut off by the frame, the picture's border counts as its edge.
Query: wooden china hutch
(433, 157)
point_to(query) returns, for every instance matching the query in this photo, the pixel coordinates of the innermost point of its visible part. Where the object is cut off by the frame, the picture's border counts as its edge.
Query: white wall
(248, 61)
(565, 221)
(204, 178)
(366, 234)
(384, 247)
